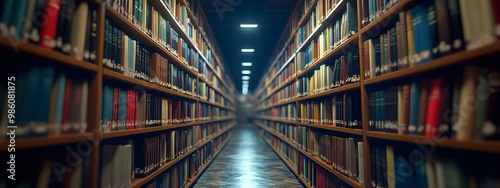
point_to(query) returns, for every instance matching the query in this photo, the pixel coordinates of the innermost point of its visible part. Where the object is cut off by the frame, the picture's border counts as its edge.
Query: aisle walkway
(247, 161)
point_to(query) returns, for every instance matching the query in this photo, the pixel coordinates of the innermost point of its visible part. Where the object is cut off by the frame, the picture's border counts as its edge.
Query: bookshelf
(203, 127)
(283, 105)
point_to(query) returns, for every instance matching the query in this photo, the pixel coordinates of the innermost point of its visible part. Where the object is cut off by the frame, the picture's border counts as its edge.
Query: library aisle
(247, 162)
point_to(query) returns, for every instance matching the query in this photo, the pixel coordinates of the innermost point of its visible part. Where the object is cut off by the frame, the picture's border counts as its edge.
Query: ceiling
(225, 17)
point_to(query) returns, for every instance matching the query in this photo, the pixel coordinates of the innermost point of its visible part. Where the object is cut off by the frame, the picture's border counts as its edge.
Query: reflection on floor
(247, 161)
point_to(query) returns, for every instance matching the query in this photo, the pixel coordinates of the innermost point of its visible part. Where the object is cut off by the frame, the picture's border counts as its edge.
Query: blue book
(61, 81)
(122, 109)
(415, 88)
(403, 169)
(422, 34)
(421, 175)
(5, 20)
(43, 101)
(352, 20)
(32, 90)
(18, 19)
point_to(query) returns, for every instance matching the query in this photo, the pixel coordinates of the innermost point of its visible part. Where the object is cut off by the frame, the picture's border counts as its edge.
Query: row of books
(283, 76)
(283, 112)
(341, 111)
(47, 102)
(123, 161)
(124, 109)
(284, 94)
(182, 172)
(372, 9)
(450, 26)
(444, 106)
(70, 28)
(393, 166)
(333, 36)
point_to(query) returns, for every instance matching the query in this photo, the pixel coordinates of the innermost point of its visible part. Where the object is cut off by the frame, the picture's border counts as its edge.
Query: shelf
(11, 46)
(277, 119)
(122, 133)
(138, 182)
(442, 62)
(333, 128)
(121, 77)
(277, 104)
(192, 180)
(217, 105)
(37, 142)
(332, 91)
(477, 146)
(285, 83)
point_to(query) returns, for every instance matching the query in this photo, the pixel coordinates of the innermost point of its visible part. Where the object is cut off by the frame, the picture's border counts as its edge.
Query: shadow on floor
(247, 161)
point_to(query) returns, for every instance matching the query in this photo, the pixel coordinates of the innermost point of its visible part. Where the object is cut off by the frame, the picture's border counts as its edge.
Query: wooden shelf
(121, 77)
(285, 83)
(439, 63)
(277, 119)
(122, 133)
(333, 128)
(476, 146)
(39, 142)
(332, 91)
(138, 182)
(277, 104)
(194, 179)
(11, 46)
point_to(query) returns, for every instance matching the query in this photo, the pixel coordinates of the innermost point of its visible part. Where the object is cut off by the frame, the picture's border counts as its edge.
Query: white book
(361, 169)
(78, 29)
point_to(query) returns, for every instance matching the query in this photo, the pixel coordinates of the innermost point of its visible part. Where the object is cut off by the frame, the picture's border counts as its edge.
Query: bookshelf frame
(99, 75)
(356, 41)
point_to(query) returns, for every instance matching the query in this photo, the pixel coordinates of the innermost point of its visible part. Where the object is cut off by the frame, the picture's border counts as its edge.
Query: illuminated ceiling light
(247, 50)
(245, 77)
(246, 82)
(246, 72)
(249, 25)
(246, 64)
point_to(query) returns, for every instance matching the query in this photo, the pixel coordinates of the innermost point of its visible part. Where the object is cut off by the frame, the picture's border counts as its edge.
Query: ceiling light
(245, 77)
(247, 50)
(246, 82)
(246, 72)
(248, 25)
(246, 64)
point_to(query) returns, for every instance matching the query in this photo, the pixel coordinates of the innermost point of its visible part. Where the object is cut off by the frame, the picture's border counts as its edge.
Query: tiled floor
(247, 161)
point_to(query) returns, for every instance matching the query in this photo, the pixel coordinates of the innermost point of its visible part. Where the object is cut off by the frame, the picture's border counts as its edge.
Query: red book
(179, 48)
(66, 107)
(49, 29)
(434, 107)
(129, 109)
(406, 107)
(134, 109)
(116, 97)
(366, 61)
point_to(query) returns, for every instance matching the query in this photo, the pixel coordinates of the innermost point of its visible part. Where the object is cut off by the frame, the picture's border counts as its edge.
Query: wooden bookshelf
(385, 20)
(98, 75)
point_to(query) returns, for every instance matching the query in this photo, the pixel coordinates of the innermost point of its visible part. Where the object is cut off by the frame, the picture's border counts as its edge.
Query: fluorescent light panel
(246, 72)
(247, 50)
(246, 82)
(249, 25)
(245, 77)
(246, 64)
